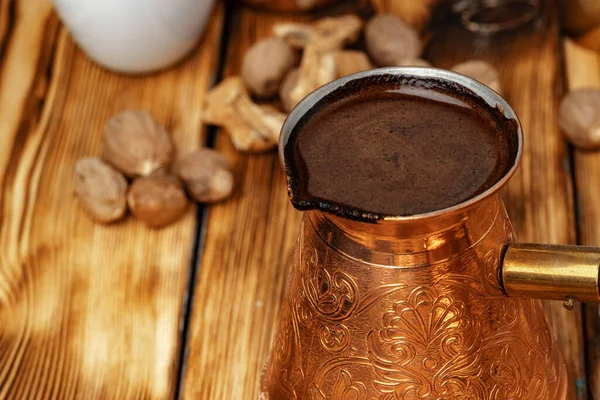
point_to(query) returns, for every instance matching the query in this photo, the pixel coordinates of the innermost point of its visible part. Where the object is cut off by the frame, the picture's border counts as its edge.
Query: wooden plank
(583, 70)
(249, 242)
(5, 20)
(24, 42)
(86, 311)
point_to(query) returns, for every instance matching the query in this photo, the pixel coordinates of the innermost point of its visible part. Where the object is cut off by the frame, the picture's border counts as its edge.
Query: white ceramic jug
(135, 36)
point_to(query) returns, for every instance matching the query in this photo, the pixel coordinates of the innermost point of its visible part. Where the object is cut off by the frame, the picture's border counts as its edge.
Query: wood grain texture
(27, 34)
(583, 70)
(249, 244)
(86, 311)
(6, 19)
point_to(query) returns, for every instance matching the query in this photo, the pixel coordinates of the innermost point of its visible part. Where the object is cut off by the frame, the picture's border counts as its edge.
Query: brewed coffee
(399, 150)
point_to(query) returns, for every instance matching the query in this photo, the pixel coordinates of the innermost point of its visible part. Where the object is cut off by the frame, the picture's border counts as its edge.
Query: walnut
(206, 174)
(320, 42)
(579, 118)
(415, 13)
(316, 69)
(136, 144)
(285, 91)
(349, 62)
(157, 200)
(252, 128)
(414, 62)
(481, 71)
(295, 34)
(265, 65)
(101, 190)
(331, 33)
(390, 41)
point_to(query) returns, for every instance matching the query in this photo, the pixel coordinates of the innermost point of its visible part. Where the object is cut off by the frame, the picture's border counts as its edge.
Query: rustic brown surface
(86, 311)
(583, 70)
(249, 241)
(83, 315)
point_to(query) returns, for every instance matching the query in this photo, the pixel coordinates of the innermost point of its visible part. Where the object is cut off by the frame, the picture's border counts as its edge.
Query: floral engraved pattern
(303, 315)
(281, 361)
(484, 279)
(505, 371)
(346, 389)
(543, 344)
(426, 332)
(282, 348)
(506, 315)
(357, 330)
(334, 339)
(510, 379)
(333, 296)
(490, 271)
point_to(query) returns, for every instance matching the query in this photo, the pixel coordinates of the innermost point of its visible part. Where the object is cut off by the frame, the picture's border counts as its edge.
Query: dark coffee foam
(398, 147)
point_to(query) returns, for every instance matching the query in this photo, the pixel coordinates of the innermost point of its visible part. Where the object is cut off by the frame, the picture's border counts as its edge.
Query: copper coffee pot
(443, 305)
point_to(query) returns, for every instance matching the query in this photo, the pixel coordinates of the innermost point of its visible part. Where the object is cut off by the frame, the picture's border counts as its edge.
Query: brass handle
(551, 272)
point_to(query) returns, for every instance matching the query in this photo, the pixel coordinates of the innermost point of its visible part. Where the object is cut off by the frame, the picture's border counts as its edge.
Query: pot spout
(552, 272)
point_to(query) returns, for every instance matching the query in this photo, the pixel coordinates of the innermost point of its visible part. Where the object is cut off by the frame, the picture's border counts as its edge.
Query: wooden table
(90, 311)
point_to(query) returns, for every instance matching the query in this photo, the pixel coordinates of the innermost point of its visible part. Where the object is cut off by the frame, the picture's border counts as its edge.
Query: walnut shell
(579, 118)
(157, 200)
(285, 91)
(350, 62)
(328, 34)
(206, 174)
(265, 65)
(481, 71)
(136, 144)
(297, 35)
(415, 13)
(390, 40)
(101, 189)
(253, 128)
(414, 62)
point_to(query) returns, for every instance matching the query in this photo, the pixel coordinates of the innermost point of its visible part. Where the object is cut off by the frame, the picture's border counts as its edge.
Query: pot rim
(492, 99)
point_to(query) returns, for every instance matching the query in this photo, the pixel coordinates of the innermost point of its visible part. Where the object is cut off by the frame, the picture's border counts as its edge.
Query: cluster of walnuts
(138, 172)
(300, 58)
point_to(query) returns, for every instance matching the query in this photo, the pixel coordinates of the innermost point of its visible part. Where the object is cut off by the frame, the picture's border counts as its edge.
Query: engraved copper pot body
(417, 307)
